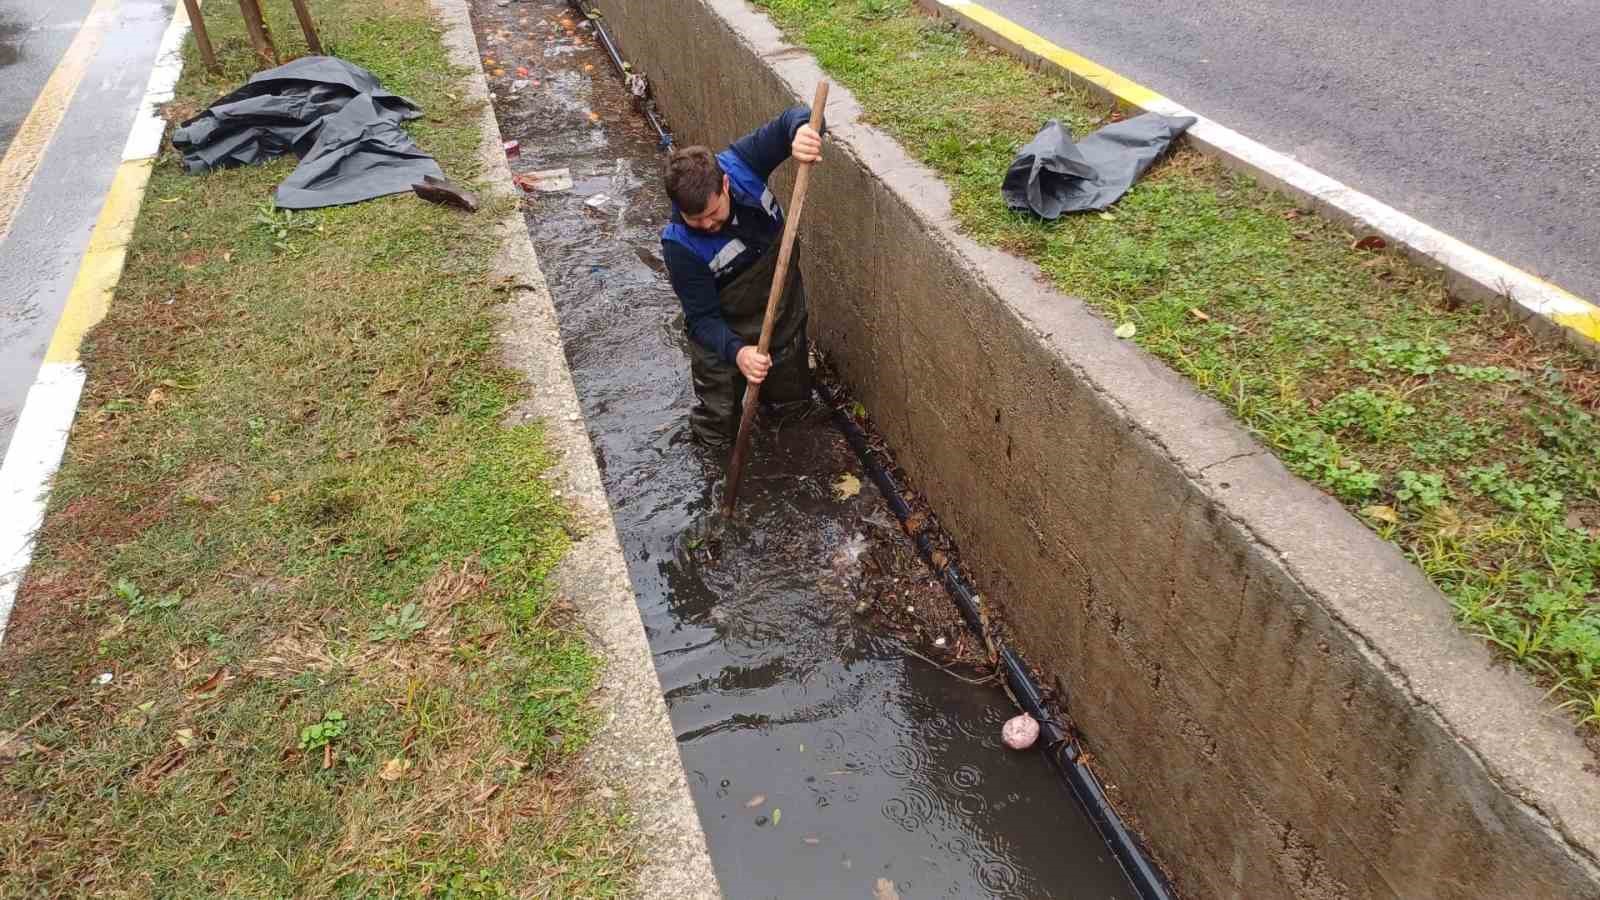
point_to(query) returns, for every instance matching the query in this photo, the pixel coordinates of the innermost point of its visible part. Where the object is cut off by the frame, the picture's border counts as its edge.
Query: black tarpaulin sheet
(1052, 175)
(334, 115)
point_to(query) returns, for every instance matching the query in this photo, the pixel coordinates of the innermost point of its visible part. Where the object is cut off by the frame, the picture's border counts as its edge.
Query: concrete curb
(635, 749)
(40, 438)
(1282, 701)
(1547, 309)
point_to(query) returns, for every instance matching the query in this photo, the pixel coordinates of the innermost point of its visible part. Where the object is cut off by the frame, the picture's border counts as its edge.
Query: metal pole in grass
(752, 392)
(308, 26)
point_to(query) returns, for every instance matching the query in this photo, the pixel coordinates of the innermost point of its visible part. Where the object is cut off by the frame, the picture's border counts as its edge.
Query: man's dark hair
(693, 179)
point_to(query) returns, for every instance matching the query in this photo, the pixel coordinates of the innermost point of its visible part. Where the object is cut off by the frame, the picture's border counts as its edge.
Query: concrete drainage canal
(836, 744)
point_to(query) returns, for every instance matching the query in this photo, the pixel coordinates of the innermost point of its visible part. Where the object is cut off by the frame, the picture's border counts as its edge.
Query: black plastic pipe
(645, 104)
(1063, 753)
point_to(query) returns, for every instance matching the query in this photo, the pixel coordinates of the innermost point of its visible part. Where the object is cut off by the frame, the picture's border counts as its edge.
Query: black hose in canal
(1054, 742)
(642, 101)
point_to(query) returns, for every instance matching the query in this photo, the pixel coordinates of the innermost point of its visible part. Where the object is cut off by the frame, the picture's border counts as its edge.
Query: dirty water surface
(824, 760)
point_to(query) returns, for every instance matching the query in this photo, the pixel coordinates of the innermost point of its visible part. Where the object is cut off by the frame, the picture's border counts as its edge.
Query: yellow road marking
(101, 268)
(31, 139)
(1581, 316)
(1127, 90)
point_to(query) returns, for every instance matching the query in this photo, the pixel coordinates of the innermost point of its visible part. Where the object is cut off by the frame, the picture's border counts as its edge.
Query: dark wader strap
(718, 384)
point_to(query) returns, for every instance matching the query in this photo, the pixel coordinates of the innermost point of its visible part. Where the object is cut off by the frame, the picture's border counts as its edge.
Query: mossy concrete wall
(1281, 701)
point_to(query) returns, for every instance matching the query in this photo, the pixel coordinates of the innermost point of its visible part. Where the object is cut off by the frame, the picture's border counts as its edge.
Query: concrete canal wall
(1281, 701)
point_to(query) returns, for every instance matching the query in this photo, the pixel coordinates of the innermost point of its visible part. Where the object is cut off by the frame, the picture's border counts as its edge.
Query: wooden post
(257, 26)
(201, 39)
(308, 26)
(752, 392)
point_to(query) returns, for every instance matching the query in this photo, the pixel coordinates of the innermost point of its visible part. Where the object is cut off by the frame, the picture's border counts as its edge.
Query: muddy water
(821, 757)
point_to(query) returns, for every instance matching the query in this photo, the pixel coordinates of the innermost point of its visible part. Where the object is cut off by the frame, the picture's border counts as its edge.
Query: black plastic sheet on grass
(333, 114)
(1052, 175)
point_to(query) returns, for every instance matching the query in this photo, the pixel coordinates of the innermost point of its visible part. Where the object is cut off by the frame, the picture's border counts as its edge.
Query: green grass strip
(293, 527)
(1442, 425)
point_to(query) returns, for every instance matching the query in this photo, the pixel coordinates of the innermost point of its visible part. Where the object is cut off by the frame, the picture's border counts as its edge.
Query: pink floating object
(513, 149)
(1019, 732)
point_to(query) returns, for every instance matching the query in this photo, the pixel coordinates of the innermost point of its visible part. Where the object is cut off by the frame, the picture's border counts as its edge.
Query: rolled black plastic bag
(1052, 175)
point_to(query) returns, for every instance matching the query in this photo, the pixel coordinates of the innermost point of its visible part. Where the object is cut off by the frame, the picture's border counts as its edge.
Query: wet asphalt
(1481, 119)
(39, 257)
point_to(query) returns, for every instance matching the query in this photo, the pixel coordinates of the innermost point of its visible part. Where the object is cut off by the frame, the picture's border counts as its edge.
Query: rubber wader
(719, 385)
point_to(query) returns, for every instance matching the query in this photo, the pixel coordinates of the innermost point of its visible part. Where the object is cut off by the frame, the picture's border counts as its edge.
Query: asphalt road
(33, 35)
(76, 161)
(1480, 118)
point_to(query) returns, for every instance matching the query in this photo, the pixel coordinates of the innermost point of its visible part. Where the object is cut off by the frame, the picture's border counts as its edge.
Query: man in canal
(721, 250)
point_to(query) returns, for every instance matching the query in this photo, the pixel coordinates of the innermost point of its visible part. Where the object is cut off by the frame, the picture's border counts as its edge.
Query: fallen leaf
(395, 769)
(847, 486)
(498, 73)
(275, 497)
(915, 521)
(1371, 242)
(1382, 514)
(940, 560)
(1126, 330)
(210, 684)
(156, 397)
(755, 801)
(885, 890)
(1292, 214)
(594, 117)
(185, 737)
(1199, 314)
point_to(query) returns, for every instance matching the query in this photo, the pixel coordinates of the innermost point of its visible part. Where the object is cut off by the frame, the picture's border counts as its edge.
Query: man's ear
(725, 182)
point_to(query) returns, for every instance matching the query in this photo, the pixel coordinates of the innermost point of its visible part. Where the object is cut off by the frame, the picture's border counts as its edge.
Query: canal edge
(635, 747)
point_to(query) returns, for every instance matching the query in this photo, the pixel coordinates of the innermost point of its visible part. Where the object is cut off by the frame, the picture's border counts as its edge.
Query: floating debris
(1020, 732)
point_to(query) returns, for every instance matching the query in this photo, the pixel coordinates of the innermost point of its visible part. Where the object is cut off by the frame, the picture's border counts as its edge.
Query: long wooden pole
(201, 38)
(308, 26)
(752, 392)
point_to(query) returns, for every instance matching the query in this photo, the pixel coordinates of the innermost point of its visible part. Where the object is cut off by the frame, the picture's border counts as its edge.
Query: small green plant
(401, 625)
(1370, 413)
(1426, 491)
(1496, 483)
(321, 734)
(1313, 453)
(139, 603)
(1414, 357)
(1484, 374)
(281, 226)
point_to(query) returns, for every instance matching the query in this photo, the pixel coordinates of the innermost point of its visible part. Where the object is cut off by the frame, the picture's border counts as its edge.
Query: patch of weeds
(1426, 491)
(1313, 453)
(140, 604)
(1355, 367)
(1373, 414)
(283, 227)
(1411, 356)
(403, 624)
(322, 734)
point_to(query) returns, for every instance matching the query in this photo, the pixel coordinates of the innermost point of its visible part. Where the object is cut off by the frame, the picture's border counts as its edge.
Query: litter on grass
(333, 114)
